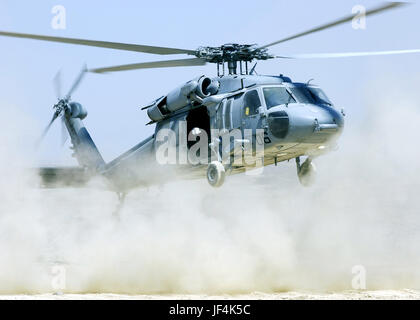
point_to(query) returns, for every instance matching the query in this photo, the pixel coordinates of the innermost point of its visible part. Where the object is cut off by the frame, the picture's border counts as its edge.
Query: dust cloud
(255, 234)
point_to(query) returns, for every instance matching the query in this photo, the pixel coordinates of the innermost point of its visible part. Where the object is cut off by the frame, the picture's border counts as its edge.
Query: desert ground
(293, 295)
(263, 235)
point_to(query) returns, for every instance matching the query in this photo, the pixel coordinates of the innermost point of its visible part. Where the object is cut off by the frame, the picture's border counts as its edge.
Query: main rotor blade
(77, 82)
(347, 54)
(345, 19)
(154, 64)
(101, 44)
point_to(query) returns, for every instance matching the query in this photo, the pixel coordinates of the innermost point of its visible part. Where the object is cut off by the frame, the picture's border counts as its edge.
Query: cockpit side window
(251, 103)
(303, 95)
(319, 95)
(275, 96)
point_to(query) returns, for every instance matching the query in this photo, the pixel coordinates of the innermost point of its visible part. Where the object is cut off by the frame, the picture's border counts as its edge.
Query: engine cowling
(206, 87)
(201, 87)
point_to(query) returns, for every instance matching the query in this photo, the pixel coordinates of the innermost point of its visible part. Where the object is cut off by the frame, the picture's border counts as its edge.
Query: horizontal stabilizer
(58, 177)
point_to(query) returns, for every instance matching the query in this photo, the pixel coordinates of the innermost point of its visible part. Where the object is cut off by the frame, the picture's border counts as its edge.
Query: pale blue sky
(115, 121)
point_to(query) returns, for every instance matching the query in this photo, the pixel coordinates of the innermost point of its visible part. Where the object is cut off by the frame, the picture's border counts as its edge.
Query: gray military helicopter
(272, 117)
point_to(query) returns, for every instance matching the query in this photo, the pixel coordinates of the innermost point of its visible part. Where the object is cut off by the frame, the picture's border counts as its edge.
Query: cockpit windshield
(275, 96)
(310, 95)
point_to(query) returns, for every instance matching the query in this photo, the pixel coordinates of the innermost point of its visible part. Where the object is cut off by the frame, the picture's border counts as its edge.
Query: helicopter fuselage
(271, 114)
(241, 116)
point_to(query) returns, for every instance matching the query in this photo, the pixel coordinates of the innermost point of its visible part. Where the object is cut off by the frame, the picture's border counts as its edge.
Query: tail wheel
(216, 174)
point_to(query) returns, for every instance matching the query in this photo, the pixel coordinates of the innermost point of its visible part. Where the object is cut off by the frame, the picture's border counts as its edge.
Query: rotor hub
(233, 52)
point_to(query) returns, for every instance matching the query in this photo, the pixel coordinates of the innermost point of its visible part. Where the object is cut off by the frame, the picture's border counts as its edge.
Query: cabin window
(251, 103)
(275, 96)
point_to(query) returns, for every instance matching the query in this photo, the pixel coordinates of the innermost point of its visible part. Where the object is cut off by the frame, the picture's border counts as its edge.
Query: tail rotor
(62, 106)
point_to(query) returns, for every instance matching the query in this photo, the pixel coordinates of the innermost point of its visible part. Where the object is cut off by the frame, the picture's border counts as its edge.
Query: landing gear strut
(121, 199)
(216, 171)
(306, 172)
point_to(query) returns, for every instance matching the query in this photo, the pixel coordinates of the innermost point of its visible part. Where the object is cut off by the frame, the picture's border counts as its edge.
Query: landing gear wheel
(307, 173)
(216, 174)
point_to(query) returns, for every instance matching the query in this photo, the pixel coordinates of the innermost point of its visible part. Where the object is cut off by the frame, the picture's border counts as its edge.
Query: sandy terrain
(294, 295)
(257, 234)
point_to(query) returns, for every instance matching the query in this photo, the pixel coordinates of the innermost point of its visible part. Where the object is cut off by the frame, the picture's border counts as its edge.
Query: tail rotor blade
(77, 82)
(44, 133)
(57, 85)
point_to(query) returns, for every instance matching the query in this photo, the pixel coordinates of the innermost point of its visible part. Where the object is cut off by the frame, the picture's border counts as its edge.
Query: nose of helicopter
(306, 123)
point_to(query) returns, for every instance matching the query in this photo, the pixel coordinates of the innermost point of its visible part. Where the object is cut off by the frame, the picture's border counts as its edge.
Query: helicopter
(235, 122)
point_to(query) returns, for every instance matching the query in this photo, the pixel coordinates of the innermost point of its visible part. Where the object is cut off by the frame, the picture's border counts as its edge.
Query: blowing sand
(262, 237)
